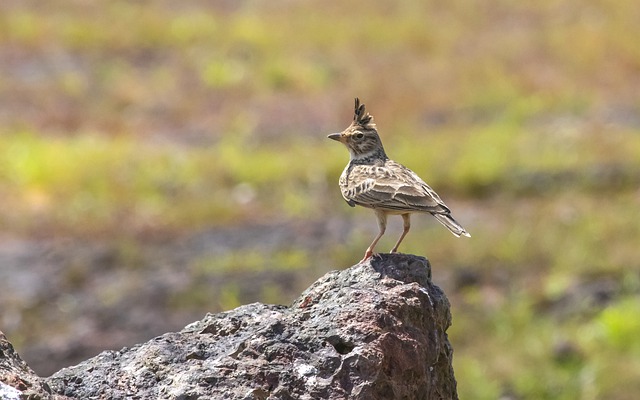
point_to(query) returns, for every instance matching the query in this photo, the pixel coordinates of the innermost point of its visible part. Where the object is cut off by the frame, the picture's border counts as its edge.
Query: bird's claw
(369, 255)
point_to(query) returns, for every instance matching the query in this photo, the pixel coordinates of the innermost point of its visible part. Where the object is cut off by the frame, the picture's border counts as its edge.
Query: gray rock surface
(17, 380)
(374, 331)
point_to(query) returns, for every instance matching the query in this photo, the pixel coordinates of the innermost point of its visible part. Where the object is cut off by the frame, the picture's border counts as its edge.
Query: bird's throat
(368, 157)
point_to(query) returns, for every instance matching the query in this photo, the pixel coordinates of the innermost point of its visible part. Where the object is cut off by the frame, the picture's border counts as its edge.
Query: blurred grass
(130, 119)
(62, 182)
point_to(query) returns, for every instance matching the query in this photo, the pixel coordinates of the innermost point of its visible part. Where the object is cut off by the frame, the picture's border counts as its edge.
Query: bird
(372, 180)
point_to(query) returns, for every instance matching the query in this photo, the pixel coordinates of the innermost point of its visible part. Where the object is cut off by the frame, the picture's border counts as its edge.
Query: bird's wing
(392, 187)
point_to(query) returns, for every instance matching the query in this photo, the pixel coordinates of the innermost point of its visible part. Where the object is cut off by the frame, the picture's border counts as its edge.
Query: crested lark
(374, 181)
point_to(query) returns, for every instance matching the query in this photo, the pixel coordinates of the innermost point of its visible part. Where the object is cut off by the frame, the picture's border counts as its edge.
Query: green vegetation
(124, 121)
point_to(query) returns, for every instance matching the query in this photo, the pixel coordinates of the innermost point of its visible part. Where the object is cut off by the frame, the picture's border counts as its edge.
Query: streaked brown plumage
(374, 181)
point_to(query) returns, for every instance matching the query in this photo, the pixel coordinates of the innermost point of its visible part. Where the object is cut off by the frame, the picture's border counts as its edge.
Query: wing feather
(392, 187)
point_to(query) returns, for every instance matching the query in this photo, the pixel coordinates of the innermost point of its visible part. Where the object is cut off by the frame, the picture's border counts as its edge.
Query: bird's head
(361, 137)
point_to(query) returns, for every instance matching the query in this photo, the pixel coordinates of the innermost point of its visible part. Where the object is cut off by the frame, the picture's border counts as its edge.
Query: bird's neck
(369, 157)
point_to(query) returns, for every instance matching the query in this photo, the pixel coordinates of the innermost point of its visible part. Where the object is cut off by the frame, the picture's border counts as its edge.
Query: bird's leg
(382, 226)
(407, 224)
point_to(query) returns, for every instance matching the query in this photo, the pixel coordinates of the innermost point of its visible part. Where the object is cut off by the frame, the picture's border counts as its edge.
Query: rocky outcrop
(374, 331)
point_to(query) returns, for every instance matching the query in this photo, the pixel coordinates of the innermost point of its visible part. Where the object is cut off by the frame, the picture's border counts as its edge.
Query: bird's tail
(451, 224)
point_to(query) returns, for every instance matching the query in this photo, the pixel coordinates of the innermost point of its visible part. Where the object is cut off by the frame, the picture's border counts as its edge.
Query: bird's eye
(359, 135)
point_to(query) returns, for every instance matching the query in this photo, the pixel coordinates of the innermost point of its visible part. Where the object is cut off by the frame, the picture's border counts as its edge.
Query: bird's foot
(370, 254)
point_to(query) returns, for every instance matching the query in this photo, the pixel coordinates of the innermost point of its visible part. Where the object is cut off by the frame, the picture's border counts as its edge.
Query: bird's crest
(362, 117)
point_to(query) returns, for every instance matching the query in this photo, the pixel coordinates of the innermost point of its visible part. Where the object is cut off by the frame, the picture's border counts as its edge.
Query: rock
(17, 380)
(374, 331)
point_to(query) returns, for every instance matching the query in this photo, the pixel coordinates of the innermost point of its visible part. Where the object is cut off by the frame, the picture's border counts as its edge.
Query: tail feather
(451, 224)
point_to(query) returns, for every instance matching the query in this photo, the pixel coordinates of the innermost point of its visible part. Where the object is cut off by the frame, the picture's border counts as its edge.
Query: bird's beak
(336, 136)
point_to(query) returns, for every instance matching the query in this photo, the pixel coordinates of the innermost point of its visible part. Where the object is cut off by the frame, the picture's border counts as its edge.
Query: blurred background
(160, 160)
